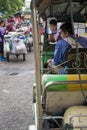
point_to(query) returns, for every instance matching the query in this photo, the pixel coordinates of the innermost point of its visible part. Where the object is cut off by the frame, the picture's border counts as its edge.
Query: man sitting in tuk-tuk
(68, 41)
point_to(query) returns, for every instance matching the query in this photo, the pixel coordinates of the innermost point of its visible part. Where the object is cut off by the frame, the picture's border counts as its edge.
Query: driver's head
(66, 29)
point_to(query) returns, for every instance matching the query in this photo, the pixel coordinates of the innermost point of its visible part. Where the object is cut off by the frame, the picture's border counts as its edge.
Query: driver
(62, 46)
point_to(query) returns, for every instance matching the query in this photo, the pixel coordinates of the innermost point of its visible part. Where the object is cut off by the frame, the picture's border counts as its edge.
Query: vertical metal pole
(77, 52)
(37, 65)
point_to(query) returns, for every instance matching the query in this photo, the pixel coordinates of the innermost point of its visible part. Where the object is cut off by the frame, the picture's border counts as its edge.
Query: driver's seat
(77, 61)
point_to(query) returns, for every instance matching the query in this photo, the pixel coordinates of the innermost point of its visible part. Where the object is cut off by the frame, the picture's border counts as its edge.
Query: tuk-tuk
(59, 100)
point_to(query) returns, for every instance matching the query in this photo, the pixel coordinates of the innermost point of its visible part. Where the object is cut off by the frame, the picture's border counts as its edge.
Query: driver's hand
(49, 61)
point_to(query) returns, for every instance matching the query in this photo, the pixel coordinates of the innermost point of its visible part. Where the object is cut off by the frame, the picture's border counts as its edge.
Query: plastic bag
(20, 47)
(6, 48)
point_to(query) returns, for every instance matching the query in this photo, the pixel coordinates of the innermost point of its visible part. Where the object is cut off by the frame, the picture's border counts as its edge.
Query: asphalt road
(16, 83)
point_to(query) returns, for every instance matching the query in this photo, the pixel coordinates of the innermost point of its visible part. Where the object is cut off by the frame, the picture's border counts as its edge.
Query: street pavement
(16, 84)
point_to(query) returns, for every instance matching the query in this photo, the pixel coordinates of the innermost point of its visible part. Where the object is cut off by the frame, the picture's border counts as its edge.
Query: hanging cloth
(73, 42)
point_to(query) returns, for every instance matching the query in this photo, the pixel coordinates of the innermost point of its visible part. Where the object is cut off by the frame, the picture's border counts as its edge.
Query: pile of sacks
(13, 44)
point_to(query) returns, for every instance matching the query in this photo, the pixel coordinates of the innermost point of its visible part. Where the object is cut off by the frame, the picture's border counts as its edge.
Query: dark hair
(67, 27)
(1, 21)
(53, 21)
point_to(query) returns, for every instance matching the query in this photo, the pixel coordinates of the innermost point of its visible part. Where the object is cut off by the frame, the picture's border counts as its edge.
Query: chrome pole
(37, 65)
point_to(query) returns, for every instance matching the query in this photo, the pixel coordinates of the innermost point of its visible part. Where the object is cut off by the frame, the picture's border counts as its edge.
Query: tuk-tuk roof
(51, 8)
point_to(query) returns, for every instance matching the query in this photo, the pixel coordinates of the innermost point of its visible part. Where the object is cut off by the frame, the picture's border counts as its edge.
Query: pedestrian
(2, 33)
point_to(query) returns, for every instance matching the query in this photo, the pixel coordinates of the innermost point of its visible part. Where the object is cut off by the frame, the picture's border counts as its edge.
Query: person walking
(2, 33)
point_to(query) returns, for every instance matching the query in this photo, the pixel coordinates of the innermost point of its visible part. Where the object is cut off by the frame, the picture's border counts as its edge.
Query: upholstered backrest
(76, 116)
(61, 92)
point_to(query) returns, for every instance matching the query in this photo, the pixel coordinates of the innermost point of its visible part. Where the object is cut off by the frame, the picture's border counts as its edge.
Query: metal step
(54, 129)
(33, 127)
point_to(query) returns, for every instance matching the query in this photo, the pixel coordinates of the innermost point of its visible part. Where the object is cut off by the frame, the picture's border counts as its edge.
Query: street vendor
(10, 28)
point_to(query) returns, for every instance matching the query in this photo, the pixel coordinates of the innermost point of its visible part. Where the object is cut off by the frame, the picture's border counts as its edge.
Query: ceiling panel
(49, 8)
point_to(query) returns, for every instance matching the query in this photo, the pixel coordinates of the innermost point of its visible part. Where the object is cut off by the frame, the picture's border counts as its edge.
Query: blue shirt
(61, 48)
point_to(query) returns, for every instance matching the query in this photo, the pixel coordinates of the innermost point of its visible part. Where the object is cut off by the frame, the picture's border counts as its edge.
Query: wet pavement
(16, 84)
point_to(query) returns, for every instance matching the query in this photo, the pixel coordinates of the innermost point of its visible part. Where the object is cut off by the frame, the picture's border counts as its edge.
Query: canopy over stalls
(61, 9)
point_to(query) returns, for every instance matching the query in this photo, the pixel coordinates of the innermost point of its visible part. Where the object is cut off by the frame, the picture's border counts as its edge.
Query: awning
(57, 8)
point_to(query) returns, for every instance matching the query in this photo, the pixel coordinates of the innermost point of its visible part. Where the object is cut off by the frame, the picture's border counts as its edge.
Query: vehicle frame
(62, 116)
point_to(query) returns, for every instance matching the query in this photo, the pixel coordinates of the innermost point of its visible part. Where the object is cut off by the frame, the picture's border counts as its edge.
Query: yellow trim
(84, 34)
(73, 87)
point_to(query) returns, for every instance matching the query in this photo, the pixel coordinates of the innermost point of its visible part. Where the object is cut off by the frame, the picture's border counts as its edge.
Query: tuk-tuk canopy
(57, 8)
